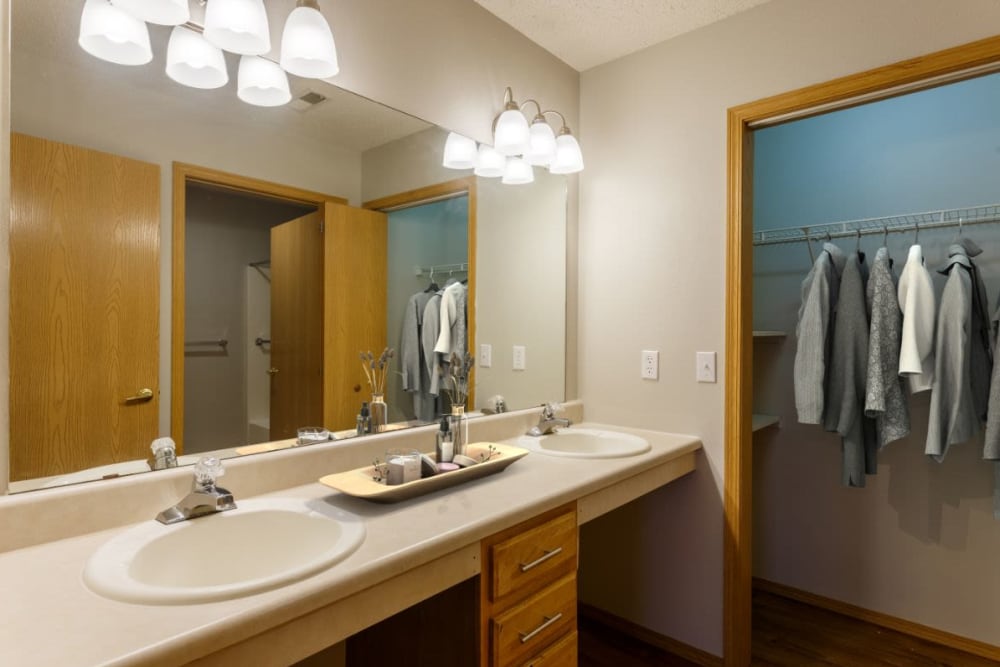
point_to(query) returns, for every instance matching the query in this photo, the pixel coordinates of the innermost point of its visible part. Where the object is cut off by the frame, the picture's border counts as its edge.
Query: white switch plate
(705, 371)
(519, 357)
(650, 365)
(485, 355)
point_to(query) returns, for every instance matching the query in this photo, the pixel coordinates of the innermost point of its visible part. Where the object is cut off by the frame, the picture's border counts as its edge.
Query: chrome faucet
(548, 421)
(205, 497)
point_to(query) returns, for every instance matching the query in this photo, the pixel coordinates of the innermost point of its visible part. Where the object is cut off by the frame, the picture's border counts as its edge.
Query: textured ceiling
(48, 67)
(587, 33)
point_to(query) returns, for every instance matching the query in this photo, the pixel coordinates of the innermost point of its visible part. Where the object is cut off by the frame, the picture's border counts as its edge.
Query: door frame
(437, 192)
(928, 71)
(183, 174)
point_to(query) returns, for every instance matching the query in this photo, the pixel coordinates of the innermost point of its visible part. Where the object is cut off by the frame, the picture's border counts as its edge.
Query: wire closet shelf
(909, 222)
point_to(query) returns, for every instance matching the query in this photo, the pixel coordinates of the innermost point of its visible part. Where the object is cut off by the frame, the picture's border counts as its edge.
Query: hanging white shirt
(916, 300)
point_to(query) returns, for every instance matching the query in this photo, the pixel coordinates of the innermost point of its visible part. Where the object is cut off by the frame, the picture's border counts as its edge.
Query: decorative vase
(379, 413)
(458, 424)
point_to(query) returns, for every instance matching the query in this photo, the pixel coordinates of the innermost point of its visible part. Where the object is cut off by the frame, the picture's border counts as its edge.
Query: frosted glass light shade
(238, 26)
(108, 33)
(262, 82)
(307, 47)
(518, 172)
(160, 12)
(459, 152)
(489, 162)
(511, 135)
(569, 158)
(541, 144)
(192, 61)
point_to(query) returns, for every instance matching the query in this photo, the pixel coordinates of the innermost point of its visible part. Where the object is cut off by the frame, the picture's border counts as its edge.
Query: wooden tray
(359, 482)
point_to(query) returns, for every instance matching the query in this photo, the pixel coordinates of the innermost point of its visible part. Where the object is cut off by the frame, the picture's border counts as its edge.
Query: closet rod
(909, 222)
(440, 269)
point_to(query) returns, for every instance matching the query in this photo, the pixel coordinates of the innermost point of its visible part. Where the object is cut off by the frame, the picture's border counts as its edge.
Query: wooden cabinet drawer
(561, 654)
(536, 555)
(520, 632)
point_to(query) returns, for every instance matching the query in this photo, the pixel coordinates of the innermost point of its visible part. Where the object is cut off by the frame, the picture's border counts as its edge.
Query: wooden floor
(787, 634)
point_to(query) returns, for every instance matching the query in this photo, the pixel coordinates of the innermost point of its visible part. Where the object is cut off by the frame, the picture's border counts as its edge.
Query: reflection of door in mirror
(84, 248)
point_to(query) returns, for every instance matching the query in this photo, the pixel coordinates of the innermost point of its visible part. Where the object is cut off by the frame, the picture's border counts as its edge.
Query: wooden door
(84, 308)
(296, 325)
(356, 252)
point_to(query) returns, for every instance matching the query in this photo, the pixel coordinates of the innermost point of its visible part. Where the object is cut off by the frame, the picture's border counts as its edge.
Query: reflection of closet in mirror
(228, 308)
(916, 518)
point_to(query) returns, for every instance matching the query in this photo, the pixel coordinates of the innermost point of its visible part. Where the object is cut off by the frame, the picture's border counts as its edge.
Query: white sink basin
(260, 545)
(586, 443)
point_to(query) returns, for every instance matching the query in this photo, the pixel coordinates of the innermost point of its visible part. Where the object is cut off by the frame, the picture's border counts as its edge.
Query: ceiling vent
(307, 100)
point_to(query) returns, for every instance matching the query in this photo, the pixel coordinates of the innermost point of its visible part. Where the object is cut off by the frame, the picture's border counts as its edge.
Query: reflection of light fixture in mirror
(569, 158)
(161, 12)
(490, 163)
(262, 82)
(108, 33)
(459, 152)
(307, 47)
(192, 61)
(238, 26)
(510, 132)
(518, 172)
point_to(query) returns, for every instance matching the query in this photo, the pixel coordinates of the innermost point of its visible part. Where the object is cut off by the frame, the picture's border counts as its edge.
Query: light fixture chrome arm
(312, 4)
(565, 127)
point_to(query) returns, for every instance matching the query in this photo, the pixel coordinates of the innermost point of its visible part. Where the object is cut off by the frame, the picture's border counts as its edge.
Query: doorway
(920, 73)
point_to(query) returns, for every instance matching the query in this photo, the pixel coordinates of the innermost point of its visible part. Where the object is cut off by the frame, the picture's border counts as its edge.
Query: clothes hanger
(433, 287)
(971, 247)
(809, 247)
(857, 248)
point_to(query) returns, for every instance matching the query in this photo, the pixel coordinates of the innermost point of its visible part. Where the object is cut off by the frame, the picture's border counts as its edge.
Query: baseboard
(626, 627)
(917, 630)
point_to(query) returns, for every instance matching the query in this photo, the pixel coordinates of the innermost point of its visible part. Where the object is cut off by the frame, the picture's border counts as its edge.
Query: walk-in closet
(913, 537)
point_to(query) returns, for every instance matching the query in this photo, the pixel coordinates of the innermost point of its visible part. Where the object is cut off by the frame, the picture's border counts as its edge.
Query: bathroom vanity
(503, 549)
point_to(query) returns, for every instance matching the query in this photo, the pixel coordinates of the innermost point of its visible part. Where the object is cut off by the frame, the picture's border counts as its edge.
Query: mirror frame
(182, 175)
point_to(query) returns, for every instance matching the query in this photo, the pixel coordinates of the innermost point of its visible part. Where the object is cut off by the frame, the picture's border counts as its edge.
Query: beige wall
(4, 241)
(652, 258)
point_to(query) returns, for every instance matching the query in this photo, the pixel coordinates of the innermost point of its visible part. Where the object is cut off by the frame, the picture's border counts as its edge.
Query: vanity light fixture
(193, 62)
(262, 82)
(110, 33)
(307, 46)
(238, 26)
(523, 146)
(459, 152)
(161, 12)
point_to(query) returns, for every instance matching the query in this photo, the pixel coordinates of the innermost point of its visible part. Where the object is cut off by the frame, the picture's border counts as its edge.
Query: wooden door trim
(930, 69)
(183, 174)
(437, 192)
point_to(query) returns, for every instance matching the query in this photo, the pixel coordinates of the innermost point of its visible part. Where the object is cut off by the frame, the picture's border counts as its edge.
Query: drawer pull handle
(538, 561)
(549, 620)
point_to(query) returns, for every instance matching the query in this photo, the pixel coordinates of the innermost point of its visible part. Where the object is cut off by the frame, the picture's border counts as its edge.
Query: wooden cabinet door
(84, 308)
(296, 325)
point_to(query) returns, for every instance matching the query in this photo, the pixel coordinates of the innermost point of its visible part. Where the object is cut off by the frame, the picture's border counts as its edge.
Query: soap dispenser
(445, 443)
(364, 420)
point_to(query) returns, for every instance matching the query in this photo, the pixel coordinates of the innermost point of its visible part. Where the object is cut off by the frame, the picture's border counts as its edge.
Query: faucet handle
(550, 409)
(207, 470)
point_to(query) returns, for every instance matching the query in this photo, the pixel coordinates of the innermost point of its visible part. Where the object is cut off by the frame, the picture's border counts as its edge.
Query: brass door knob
(144, 395)
(272, 371)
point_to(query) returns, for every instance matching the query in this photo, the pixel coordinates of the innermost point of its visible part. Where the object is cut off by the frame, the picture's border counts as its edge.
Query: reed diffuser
(377, 371)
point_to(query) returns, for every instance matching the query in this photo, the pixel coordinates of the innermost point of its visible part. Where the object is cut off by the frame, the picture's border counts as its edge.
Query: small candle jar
(403, 466)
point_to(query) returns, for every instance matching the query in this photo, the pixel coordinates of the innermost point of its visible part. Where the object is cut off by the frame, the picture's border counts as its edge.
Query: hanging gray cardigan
(991, 447)
(845, 405)
(885, 400)
(813, 333)
(953, 417)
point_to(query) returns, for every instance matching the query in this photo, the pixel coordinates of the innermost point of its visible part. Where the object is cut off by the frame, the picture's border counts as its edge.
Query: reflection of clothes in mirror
(416, 377)
(428, 339)
(452, 338)
(885, 399)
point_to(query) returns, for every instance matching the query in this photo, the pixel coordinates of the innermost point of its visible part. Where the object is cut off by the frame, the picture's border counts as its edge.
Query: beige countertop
(49, 617)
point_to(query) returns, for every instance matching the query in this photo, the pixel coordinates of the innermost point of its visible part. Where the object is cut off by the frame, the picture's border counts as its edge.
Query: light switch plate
(520, 360)
(650, 365)
(485, 355)
(705, 371)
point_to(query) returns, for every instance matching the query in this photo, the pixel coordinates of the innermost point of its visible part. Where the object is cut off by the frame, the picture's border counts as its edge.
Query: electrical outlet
(519, 358)
(705, 370)
(650, 365)
(485, 355)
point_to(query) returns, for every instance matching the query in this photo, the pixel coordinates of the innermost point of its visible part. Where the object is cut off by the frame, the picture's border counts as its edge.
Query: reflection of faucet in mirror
(205, 497)
(548, 421)
(164, 454)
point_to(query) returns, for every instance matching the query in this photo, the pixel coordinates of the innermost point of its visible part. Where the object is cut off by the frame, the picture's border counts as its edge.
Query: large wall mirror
(186, 265)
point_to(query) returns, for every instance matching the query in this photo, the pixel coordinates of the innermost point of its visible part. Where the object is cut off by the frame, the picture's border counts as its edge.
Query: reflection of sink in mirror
(586, 443)
(262, 544)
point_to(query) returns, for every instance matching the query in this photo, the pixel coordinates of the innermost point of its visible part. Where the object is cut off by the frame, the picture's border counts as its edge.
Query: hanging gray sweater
(845, 405)
(885, 400)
